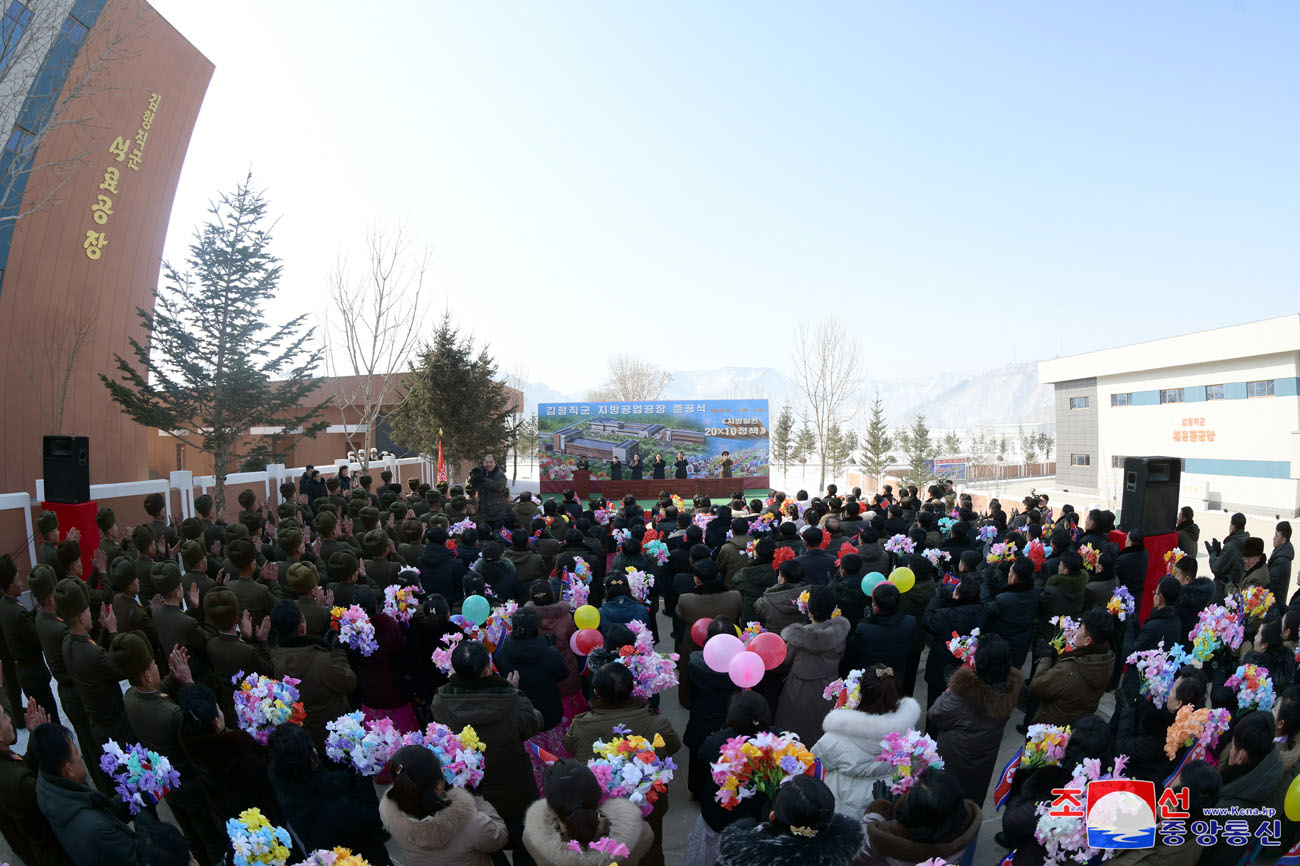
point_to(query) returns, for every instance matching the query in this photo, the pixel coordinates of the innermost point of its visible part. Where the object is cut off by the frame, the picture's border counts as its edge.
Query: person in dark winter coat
(931, 820)
(1142, 728)
(1225, 557)
(492, 487)
(1281, 561)
(229, 762)
(1189, 534)
(802, 827)
(813, 654)
(326, 805)
(776, 608)
(959, 613)
(1131, 564)
(1162, 626)
(619, 606)
(540, 666)
(884, 637)
(874, 557)
(1011, 612)
(748, 714)
(818, 565)
(969, 717)
(1062, 595)
(441, 571)
(1196, 594)
(713, 691)
(24, 826)
(755, 579)
(913, 604)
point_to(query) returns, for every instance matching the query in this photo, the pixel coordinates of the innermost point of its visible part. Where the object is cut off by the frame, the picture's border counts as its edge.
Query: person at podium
(615, 469)
(658, 467)
(680, 465)
(636, 469)
(582, 464)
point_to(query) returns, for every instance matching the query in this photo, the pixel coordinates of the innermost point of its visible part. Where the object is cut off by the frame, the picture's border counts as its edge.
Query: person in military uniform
(93, 675)
(195, 559)
(227, 652)
(303, 580)
(156, 719)
(380, 570)
(110, 534)
(254, 595)
(68, 556)
(130, 614)
(325, 676)
(50, 630)
(22, 642)
(327, 527)
(24, 826)
(412, 543)
(156, 506)
(176, 627)
(344, 571)
(47, 529)
(143, 544)
(8, 668)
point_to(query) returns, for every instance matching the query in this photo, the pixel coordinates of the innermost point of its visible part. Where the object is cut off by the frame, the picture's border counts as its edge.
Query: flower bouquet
(1121, 604)
(399, 601)
(143, 777)
(936, 556)
(442, 655)
(658, 550)
(758, 765)
(1003, 551)
(1199, 729)
(628, 767)
(334, 857)
(1065, 837)
(986, 533)
(1254, 687)
(354, 628)
(945, 525)
(762, 524)
(1216, 626)
(640, 584)
(1037, 553)
(611, 848)
(1091, 557)
(845, 549)
(1068, 629)
(256, 842)
(1158, 668)
(963, 647)
(751, 549)
(846, 692)
(1045, 746)
(461, 755)
(900, 544)
(702, 519)
(652, 672)
(782, 554)
(910, 753)
(1171, 559)
(262, 704)
(366, 746)
(802, 604)
(751, 631)
(1256, 601)
(460, 527)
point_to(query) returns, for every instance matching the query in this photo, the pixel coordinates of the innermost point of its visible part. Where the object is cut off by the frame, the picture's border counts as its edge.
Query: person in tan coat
(433, 824)
(325, 677)
(709, 599)
(813, 654)
(775, 607)
(731, 556)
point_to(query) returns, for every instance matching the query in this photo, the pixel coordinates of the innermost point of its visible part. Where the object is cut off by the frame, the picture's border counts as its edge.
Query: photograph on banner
(702, 431)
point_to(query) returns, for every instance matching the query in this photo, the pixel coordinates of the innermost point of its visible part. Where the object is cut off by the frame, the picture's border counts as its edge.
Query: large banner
(571, 435)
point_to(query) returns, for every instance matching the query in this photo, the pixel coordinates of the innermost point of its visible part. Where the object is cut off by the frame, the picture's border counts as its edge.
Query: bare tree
(516, 421)
(49, 357)
(825, 368)
(631, 378)
(26, 40)
(372, 329)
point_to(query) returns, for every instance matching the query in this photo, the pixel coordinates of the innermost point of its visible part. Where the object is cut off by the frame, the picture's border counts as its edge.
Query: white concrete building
(1223, 400)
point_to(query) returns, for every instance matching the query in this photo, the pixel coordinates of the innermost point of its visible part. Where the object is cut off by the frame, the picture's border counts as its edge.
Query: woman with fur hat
(802, 827)
(573, 812)
(850, 747)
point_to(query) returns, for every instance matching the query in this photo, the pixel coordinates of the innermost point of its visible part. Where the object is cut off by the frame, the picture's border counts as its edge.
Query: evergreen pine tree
(920, 451)
(805, 445)
(453, 389)
(209, 367)
(876, 442)
(782, 442)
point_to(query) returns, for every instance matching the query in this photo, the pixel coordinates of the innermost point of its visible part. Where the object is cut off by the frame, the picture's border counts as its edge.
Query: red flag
(442, 467)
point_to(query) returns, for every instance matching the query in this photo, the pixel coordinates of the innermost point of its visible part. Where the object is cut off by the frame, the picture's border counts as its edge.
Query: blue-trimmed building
(1225, 401)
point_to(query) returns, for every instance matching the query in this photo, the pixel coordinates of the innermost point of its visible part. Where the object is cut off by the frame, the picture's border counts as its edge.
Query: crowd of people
(866, 594)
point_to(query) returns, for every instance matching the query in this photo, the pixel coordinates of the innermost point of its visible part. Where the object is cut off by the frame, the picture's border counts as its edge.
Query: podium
(82, 516)
(582, 483)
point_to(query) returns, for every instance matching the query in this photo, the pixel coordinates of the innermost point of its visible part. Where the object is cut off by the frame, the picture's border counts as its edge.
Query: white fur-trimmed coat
(545, 839)
(849, 748)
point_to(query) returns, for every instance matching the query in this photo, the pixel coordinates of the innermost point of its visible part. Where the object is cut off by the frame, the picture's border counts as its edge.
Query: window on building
(74, 30)
(12, 27)
(1080, 459)
(21, 142)
(1213, 392)
(1262, 388)
(1125, 399)
(1116, 461)
(1171, 395)
(1080, 402)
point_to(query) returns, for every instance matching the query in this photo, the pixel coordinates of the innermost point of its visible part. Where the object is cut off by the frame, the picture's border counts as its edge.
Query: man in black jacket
(1131, 564)
(818, 565)
(1162, 626)
(441, 571)
(884, 637)
(1011, 612)
(1195, 595)
(961, 612)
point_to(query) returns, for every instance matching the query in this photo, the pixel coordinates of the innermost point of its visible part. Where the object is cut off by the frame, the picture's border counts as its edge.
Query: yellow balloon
(903, 578)
(1291, 805)
(586, 617)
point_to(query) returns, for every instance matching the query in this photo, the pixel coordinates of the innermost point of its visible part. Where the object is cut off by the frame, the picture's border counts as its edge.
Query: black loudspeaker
(1151, 494)
(67, 469)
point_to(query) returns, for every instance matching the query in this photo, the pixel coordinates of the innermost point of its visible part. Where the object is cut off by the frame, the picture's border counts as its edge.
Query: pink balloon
(719, 651)
(573, 644)
(746, 669)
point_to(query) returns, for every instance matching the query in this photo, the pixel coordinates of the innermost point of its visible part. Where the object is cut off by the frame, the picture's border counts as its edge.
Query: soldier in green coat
(227, 651)
(24, 826)
(22, 642)
(93, 675)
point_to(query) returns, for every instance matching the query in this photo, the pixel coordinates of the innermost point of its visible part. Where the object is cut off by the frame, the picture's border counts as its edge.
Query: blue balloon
(870, 581)
(476, 609)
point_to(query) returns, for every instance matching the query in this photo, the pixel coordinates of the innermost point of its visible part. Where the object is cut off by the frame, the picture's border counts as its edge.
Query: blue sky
(677, 179)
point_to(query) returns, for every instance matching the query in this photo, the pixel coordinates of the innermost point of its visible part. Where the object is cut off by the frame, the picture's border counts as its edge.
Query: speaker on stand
(1151, 486)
